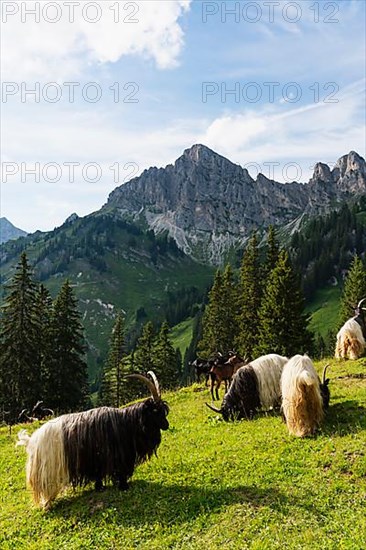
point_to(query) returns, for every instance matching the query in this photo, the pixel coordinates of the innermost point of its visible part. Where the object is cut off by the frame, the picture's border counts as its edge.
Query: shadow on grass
(344, 418)
(165, 504)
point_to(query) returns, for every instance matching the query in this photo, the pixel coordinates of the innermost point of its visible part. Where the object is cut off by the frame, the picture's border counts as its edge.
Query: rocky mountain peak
(322, 172)
(209, 204)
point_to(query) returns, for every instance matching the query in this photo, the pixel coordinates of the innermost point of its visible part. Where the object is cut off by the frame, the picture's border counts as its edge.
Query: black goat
(95, 445)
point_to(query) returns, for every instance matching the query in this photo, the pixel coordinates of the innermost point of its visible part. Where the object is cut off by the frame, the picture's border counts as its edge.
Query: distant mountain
(208, 204)
(121, 257)
(8, 231)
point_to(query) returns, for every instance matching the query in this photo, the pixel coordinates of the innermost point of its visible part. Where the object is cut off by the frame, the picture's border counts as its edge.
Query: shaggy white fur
(350, 341)
(302, 403)
(46, 470)
(268, 370)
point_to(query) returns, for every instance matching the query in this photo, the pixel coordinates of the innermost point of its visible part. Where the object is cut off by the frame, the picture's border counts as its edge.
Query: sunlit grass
(214, 485)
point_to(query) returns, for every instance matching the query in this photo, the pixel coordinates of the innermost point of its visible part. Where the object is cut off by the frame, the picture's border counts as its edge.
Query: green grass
(181, 335)
(214, 485)
(324, 310)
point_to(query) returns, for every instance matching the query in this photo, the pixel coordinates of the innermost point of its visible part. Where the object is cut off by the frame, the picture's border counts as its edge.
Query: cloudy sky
(95, 92)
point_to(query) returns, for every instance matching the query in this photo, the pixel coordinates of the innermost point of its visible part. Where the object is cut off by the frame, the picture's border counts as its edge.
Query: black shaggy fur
(107, 443)
(242, 399)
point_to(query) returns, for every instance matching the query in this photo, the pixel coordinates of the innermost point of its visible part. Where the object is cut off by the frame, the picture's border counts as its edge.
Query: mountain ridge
(9, 232)
(208, 204)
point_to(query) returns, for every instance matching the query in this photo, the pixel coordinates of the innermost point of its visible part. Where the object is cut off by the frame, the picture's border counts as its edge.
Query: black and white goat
(254, 386)
(93, 446)
(304, 396)
(351, 337)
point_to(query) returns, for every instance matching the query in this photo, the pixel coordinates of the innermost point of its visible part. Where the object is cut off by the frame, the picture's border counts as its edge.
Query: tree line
(42, 349)
(260, 311)
(153, 351)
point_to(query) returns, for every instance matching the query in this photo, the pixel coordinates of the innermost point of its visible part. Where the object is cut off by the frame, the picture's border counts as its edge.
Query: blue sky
(297, 69)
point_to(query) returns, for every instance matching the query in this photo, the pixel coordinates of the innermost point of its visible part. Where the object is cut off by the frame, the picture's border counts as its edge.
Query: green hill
(113, 265)
(214, 485)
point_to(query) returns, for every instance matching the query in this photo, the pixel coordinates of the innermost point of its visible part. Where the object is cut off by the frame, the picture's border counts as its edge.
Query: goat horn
(324, 373)
(214, 408)
(156, 383)
(148, 383)
(360, 302)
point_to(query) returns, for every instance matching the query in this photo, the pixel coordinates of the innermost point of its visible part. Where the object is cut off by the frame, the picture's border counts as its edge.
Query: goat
(93, 446)
(351, 337)
(204, 366)
(24, 418)
(254, 386)
(40, 412)
(224, 373)
(304, 397)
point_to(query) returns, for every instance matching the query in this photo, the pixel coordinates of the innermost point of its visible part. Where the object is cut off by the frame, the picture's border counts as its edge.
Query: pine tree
(273, 251)
(191, 351)
(165, 359)
(354, 290)
(44, 307)
(282, 321)
(112, 383)
(68, 370)
(143, 356)
(20, 375)
(218, 320)
(249, 299)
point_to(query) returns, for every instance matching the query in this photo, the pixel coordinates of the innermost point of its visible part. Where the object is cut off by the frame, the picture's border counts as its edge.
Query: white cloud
(64, 49)
(307, 134)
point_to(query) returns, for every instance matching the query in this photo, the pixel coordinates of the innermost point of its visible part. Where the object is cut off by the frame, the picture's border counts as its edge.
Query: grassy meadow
(214, 485)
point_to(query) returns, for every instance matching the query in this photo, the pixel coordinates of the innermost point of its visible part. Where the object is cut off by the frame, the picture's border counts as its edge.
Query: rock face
(208, 204)
(9, 232)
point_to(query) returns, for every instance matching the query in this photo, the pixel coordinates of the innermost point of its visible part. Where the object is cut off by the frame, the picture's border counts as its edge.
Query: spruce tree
(218, 325)
(68, 370)
(44, 308)
(282, 321)
(354, 290)
(20, 374)
(165, 359)
(273, 251)
(112, 382)
(249, 299)
(143, 356)
(191, 352)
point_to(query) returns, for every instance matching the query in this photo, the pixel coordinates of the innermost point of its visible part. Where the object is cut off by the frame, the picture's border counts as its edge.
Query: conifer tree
(68, 370)
(211, 320)
(191, 351)
(282, 321)
(20, 376)
(112, 383)
(273, 251)
(143, 355)
(249, 299)
(44, 307)
(165, 359)
(354, 290)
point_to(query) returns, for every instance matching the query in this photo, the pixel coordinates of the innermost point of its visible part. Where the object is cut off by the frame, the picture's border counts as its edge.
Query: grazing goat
(40, 412)
(304, 397)
(254, 386)
(351, 337)
(95, 445)
(204, 366)
(224, 373)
